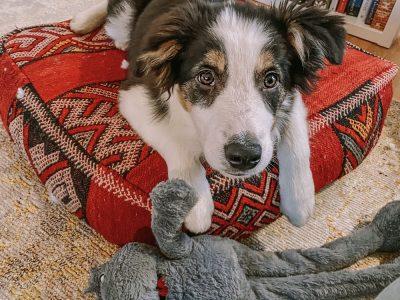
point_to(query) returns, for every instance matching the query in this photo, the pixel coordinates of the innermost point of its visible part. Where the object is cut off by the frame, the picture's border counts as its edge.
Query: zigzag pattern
(249, 204)
(45, 41)
(90, 114)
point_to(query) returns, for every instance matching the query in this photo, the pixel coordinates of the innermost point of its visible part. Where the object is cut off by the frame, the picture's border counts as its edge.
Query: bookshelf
(356, 26)
(385, 38)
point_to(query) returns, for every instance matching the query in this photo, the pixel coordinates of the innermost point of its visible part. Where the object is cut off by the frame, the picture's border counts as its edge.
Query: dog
(222, 80)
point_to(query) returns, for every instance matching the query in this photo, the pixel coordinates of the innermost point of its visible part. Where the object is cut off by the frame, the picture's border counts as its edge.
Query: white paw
(79, 24)
(298, 199)
(121, 45)
(300, 213)
(199, 218)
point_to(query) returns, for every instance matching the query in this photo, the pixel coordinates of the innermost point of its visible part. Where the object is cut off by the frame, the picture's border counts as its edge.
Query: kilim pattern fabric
(66, 123)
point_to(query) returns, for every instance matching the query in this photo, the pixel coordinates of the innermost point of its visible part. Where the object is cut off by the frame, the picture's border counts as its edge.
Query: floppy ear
(157, 60)
(156, 65)
(314, 35)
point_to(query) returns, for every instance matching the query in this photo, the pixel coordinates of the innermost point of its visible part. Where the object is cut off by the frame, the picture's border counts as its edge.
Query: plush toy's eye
(101, 277)
(271, 79)
(206, 78)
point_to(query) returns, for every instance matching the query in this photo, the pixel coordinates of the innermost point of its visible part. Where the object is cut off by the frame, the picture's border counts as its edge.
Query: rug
(47, 253)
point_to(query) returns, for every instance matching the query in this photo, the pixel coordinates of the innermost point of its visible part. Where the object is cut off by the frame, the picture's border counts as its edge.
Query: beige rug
(47, 253)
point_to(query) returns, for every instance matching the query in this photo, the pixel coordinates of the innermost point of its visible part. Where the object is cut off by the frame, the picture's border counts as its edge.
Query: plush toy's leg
(333, 256)
(382, 234)
(335, 285)
(172, 201)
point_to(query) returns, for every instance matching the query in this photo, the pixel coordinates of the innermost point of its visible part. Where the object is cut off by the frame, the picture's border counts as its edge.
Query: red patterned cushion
(68, 127)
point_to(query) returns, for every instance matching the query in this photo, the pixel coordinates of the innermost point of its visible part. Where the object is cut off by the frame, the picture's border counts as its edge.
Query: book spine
(382, 14)
(371, 12)
(341, 8)
(333, 5)
(364, 10)
(353, 7)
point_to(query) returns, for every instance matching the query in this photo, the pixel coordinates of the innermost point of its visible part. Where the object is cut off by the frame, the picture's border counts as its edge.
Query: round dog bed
(58, 101)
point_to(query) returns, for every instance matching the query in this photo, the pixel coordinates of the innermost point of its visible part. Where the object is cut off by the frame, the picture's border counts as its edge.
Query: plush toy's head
(131, 274)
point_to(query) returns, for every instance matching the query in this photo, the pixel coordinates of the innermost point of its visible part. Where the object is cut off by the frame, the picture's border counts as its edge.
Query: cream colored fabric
(47, 253)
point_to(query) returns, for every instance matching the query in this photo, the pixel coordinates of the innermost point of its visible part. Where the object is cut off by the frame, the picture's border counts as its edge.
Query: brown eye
(206, 78)
(271, 80)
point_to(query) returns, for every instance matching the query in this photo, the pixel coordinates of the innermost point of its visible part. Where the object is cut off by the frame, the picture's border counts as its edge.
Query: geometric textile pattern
(66, 123)
(359, 132)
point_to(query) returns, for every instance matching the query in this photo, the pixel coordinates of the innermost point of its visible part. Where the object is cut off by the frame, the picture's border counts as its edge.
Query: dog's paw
(298, 199)
(199, 218)
(121, 45)
(86, 21)
(79, 24)
(300, 211)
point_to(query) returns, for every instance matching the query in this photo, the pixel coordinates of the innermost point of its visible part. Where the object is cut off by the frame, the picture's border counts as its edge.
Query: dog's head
(236, 69)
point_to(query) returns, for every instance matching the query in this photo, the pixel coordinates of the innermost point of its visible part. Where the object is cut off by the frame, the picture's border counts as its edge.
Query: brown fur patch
(157, 63)
(154, 59)
(265, 61)
(296, 40)
(183, 100)
(216, 59)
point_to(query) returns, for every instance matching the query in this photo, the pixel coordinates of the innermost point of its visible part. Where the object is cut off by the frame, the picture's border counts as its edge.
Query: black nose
(243, 155)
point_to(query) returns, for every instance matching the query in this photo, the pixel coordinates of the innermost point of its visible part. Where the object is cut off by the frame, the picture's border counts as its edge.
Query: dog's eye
(206, 78)
(270, 80)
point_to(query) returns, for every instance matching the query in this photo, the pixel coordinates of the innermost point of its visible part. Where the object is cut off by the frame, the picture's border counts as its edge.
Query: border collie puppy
(222, 80)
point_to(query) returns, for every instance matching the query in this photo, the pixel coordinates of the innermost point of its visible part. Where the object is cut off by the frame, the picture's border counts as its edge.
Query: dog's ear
(156, 64)
(314, 35)
(161, 46)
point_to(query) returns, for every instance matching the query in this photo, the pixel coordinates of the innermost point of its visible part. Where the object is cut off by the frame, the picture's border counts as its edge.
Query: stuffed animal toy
(211, 267)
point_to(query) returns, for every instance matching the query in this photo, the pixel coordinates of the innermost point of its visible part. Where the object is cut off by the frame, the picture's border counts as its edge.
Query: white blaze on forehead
(243, 40)
(240, 101)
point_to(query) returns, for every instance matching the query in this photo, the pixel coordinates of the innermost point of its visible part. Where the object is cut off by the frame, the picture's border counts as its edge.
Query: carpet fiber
(47, 253)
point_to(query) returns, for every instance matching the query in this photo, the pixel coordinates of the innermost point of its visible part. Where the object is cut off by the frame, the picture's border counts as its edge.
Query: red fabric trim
(11, 79)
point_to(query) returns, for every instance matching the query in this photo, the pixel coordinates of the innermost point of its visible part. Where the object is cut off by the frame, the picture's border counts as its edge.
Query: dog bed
(58, 102)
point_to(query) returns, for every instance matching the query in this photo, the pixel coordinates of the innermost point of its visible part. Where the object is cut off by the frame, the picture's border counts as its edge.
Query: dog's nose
(244, 155)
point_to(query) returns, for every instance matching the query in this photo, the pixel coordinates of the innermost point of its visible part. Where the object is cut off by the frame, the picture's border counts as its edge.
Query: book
(371, 11)
(382, 14)
(364, 10)
(334, 4)
(341, 8)
(353, 7)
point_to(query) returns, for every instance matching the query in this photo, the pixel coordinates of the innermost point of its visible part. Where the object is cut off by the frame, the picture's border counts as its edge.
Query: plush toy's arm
(335, 285)
(381, 234)
(172, 200)
(332, 256)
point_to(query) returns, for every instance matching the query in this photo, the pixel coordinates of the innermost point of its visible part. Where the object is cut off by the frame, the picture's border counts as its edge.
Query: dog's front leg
(295, 178)
(199, 218)
(176, 143)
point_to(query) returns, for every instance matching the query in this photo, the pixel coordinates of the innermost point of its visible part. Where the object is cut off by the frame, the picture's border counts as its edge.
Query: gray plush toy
(210, 267)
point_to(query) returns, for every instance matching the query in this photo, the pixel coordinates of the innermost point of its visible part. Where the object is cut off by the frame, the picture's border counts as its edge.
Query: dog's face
(237, 69)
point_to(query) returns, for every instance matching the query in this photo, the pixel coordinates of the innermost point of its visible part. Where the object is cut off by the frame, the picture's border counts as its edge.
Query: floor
(47, 253)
